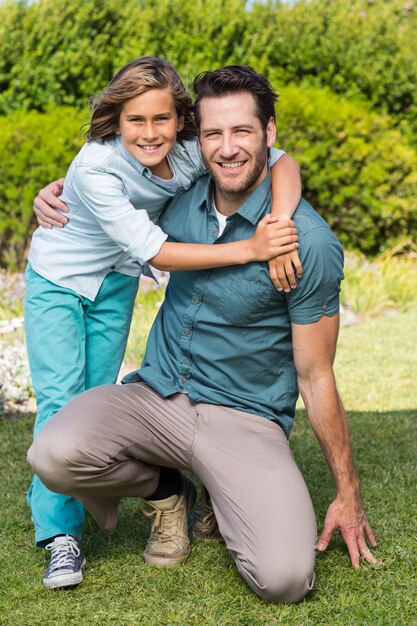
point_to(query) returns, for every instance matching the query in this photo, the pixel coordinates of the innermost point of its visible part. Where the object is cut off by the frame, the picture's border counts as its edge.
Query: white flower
(15, 383)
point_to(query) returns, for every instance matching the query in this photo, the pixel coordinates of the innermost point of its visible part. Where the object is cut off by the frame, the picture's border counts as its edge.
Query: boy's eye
(161, 118)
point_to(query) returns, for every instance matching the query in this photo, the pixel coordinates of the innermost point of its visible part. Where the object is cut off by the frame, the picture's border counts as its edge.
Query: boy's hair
(234, 79)
(135, 78)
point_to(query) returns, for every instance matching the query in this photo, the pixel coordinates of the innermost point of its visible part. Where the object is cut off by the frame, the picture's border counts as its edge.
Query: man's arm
(314, 347)
(46, 203)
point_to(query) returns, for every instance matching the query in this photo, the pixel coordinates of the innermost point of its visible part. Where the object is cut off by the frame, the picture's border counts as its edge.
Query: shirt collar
(252, 209)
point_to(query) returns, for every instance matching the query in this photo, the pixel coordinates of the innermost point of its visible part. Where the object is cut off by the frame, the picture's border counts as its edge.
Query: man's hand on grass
(348, 516)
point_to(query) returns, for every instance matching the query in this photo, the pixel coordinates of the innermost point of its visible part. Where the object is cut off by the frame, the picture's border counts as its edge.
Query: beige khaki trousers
(110, 441)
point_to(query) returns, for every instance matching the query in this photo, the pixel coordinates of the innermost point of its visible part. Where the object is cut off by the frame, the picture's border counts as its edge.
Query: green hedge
(358, 170)
(360, 48)
(59, 52)
(35, 149)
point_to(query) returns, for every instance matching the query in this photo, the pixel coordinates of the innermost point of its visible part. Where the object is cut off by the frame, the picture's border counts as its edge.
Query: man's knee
(50, 460)
(283, 585)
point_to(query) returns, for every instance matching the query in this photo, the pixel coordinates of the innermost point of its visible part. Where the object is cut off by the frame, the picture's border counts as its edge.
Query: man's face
(234, 144)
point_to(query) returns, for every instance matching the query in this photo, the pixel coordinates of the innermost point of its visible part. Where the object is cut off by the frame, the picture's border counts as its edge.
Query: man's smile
(231, 165)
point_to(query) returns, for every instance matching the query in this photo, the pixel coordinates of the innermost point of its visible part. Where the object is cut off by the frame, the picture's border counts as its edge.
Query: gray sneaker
(169, 543)
(66, 563)
(205, 523)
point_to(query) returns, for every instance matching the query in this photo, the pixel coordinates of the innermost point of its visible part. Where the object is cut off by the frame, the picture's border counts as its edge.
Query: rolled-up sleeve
(318, 290)
(104, 195)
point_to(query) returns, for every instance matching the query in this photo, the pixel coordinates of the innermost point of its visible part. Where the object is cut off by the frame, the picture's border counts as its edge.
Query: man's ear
(271, 132)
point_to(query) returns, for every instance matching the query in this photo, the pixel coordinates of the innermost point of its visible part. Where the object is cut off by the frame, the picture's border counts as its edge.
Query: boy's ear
(180, 123)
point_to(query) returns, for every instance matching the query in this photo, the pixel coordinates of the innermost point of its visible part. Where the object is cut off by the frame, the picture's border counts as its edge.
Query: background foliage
(346, 69)
(35, 148)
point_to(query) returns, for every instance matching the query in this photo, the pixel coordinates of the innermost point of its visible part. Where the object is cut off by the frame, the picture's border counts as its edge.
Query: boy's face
(148, 126)
(234, 144)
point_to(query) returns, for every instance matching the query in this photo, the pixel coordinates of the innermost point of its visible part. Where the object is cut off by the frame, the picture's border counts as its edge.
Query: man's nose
(228, 148)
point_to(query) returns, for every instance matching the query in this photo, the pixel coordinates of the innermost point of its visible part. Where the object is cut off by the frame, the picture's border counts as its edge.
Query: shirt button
(183, 379)
(214, 230)
(196, 300)
(113, 267)
(186, 331)
(324, 308)
(186, 361)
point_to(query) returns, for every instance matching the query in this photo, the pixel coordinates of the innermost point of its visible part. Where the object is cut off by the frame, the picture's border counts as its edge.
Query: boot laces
(165, 524)
(207, 515)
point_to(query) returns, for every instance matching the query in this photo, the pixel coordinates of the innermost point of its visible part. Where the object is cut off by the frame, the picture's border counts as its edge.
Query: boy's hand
(284, 269)
(272, 238)
(46, 204)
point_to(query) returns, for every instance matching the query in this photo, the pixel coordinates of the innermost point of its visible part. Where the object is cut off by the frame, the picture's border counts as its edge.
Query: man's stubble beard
(249, 183)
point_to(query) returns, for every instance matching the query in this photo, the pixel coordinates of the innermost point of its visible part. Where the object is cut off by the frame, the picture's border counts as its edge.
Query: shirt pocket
(243, 301)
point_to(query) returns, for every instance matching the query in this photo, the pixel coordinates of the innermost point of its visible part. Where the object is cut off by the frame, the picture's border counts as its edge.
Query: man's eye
(214, 133)
(242, 131)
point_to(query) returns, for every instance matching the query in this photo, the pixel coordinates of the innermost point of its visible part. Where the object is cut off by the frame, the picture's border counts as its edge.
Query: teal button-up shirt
(224, 335)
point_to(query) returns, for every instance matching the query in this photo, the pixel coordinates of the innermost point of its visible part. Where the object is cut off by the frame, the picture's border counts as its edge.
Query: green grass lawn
(376, 367)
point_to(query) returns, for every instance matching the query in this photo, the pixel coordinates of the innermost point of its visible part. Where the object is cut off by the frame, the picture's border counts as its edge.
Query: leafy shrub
(360, 48)
(358, 170)
(35, 149)
(59, 52)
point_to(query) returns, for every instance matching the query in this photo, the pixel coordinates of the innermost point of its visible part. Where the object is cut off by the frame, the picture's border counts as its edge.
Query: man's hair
(234, 79)
(134, 79)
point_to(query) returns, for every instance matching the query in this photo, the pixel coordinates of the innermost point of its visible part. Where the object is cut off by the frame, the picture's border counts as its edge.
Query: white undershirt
(172, 184)
(221, 219)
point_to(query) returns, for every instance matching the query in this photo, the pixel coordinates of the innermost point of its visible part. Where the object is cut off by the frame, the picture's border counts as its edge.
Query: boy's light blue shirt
(114, 203)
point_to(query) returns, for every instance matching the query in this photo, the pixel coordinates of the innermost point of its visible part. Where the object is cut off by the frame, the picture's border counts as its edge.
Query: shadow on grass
(384, 445)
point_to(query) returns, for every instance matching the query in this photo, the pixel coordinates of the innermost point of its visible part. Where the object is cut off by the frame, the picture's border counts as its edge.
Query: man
(217, 389)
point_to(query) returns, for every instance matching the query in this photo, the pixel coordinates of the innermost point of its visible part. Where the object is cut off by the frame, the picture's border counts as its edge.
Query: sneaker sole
(65, 580)
(172, 561)
(167, 562)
